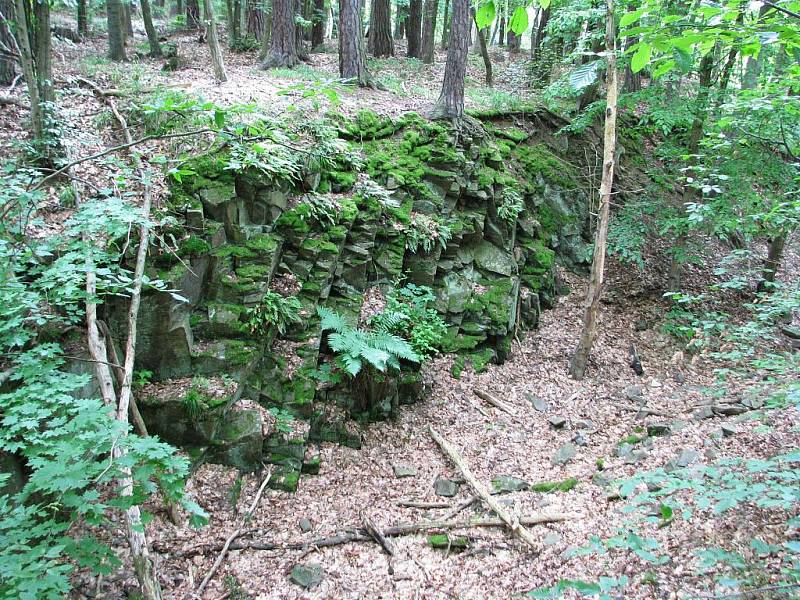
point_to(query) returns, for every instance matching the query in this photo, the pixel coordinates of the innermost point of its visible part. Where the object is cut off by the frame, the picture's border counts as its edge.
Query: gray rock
(686, 458)
(305, 525)
(705, 412)
(491, 258)
(509, 483)
(579, 439)
(585, 425)
(729, 431)
(538, 403)
(557, 421)
(679, 377)
(601, 480)
(308, 576)
(404, 470)
(551, 539)
(445, 487)
(634, 393)
(565, 454)
(658, 429)
(754, 403)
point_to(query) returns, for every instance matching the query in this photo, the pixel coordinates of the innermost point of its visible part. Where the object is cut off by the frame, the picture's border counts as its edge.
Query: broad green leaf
(544, 4)
(630, 17)
(485, 15)
(519, 20)
(584, 75)
(641, 57)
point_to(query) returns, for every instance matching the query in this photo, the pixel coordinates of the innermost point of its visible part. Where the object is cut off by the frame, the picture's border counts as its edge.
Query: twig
(466, 504)
(234, 535)
(376, 534)
(424, 505)
(513, 523)
(643, 409)
(495, 402)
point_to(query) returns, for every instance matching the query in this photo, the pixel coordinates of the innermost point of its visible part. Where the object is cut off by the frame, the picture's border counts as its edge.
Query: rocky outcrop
(479, 217)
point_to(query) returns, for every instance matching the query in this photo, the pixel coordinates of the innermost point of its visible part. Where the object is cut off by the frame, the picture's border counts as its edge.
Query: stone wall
(495, 205)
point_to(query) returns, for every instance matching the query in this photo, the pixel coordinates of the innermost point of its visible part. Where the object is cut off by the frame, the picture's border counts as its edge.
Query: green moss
(319, 246)
(442, 540)
(555, 486)
(494, 303)
(287, 482)
(295, 220)
(193, 246)
(341, 181)
(459, 364)
(514, 134)
(453, 341)
(253, 272)
(486, 177)
(631, 440)
(262, 243)
(367, 125)
(232, 251)
(481, 358)
(312, 466)
(539, 159)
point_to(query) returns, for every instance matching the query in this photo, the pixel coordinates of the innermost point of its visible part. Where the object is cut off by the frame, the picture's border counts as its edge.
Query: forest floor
(534, 381)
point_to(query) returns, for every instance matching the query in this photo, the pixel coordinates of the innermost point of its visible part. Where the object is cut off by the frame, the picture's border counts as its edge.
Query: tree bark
(83, 18)
(414, 28)
(400, 17)
(127, 22)
(595, 288)
(29, 71)
(7, 65)
(213, 42)
(514, 42)
(538, 34)
(320, 23)
(152, 35)
(283, 47)
(234, 23)
(352, 65)
(772, 263)
(380, 43)
(487, 61)
(706, 71)
(428, 47)
(192, 14)
(445, 23)
(116, 39)
(451, 99)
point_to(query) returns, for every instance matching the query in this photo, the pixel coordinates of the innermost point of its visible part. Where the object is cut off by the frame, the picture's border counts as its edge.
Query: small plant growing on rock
(425, 232)
(511, 206)
(408, 315)
(274, 310)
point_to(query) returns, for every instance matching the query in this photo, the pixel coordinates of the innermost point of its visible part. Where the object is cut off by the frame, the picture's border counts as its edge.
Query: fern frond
(331, 320)
(377, 358)
(394, 345)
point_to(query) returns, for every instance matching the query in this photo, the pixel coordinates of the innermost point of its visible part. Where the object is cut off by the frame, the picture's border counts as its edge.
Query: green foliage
(555, 486)
(354, 347)
(275, 311)
(283, 419)
(425, 232)
(141, 378)
(409, 316)
(511, 206)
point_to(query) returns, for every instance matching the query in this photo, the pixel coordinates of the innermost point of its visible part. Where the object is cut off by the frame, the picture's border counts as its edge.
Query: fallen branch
(466, 504)
(513, 523)
(361, 535)
(11, 100)
(226, 546)
(495, 402)
(376, 534)
(645, 410)
(424, 505)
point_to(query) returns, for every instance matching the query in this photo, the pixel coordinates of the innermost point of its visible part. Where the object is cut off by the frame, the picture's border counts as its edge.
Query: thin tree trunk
(116, 39)
(487, 62)
(674, 276)
(320, 23)
(514, 42)
(83, 18)
(283, 47)
(501, 26)
(127, 22)
(380, 43)
(773, 262)
(7, 65)
(451, 99)
(445, 24)
(428, 47)
(538, 34)
(595, 289)
(352, 65)
(414, 28)
(213, 42)
(152, 35)
(29, 72)
(400, 17)
(234, 8)
(192, 14)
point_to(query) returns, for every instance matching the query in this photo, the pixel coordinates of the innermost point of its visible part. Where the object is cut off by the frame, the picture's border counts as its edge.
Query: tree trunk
(283, 47)
(213, 42)
(400, 17)
(380, 43)
(192, 14)
(428, 47)
(514, 42)
(772, 263)
(29, 72)
(487, 62)
(152, 35)
(116, 43)
(414, 28)
(255, 20)
(451, 99)
(595, 289)
(320, 24)
(351, 44)
(695, 136)
(83, 18)
(537, 37)
(177, 8)
(127, 22)
(445, 24)
(7, 65)
(501, 25)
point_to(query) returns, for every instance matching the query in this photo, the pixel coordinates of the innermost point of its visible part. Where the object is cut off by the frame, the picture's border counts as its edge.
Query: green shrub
(274, 310)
